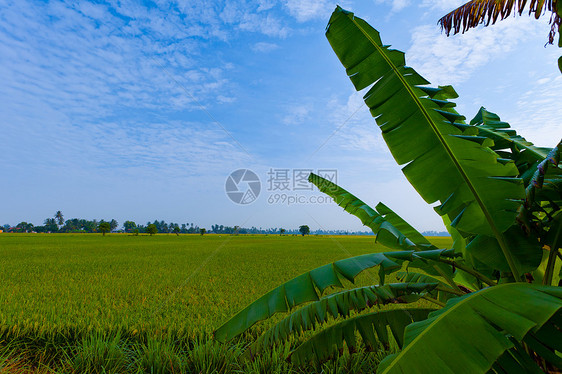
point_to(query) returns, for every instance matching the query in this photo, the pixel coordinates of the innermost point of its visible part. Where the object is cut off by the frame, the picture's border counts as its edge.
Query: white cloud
(297, 114)
(397, 5)
(306, 10)
(442, 5)
(538, 112)
(357, 128)
(451, 60)
(265, 5)
(81, 90)
(268, 25)
(264, 47)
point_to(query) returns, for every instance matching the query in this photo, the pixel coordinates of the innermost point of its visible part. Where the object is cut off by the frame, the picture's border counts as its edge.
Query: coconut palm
(59, 217)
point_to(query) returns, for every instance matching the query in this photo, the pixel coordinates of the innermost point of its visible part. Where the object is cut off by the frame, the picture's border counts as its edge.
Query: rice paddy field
(122, 303)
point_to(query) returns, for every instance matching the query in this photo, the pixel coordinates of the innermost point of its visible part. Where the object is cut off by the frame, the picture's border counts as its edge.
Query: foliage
(500, 198)
(104, 227)
(151, 229)
(59, 217)
(304, 230)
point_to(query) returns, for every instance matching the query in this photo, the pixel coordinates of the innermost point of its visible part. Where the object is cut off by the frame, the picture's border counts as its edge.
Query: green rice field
(66, 300)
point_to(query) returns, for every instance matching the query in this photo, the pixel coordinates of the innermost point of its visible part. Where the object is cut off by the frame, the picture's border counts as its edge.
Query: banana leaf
(472, 332)
(404, 227)
(373, 329)
(309, 286)
(442, 291)
(490, 125)
(390, 229)
(336, 305)
(386, 233)
(477, 190)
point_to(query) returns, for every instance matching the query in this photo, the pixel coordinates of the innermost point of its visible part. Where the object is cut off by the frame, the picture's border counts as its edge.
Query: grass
(120, 303)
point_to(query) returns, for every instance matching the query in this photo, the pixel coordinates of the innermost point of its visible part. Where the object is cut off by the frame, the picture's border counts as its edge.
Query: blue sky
(140, 111)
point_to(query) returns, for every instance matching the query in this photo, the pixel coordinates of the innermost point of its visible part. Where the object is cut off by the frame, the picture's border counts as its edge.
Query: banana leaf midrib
(456, 162)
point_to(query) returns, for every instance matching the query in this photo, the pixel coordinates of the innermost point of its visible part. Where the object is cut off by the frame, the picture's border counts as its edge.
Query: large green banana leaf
(404, 227)
(477, 192)
(390, 229)
(372, 327)
(485, 251)
(308, 286)
(545, 185)
(490, 125)
(386, 233)
(339, 304)
(538, 166)
(442, 291)
(472, 332)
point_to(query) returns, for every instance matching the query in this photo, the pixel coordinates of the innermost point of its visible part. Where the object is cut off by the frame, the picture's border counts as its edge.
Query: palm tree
(59, 217)
(476, 12)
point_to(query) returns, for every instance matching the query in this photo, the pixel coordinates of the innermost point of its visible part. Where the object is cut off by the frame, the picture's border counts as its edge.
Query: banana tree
(496, 292)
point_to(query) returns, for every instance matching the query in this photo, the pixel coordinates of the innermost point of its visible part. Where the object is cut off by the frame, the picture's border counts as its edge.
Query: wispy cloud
(305, 10)
(538, 112)
(396, 5)
(264, 47)
(84, 87)
(442, 5)
(297, 114)
(451, 60)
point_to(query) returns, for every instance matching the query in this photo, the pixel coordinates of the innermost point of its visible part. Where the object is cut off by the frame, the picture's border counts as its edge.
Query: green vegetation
(151, 229)
(104, 227)
(304, 230)
(496, 293)
(77, 300)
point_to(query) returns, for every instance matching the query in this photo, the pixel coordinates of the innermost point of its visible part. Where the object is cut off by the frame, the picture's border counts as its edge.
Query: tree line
(58, 224)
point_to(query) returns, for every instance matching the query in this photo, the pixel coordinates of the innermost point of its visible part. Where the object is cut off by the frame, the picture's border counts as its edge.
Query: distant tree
(177, 230)
(104, 227)
(235, 231)
(113, 224)
(281, 231)
(59, 218)
(51, 225)
(136, 232)
(24, 227)
(163, 227)
(304, 230)
(151, 229)
(202, 231)
(129, 226)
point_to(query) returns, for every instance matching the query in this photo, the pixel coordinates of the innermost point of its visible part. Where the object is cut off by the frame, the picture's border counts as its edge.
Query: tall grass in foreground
(98, 354)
